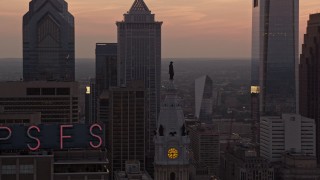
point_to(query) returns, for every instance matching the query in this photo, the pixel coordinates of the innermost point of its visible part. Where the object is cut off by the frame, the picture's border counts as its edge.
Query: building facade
(59, 165)
(290, 132)
(132, 172)
(243, 163)
(205, 145)
(127, 126)
(275, 55)
(106, 66)
(171, 140)
(139, 58)
(48, 42)
(204, 99)
(310, 75)
(58, 102)
(299, 167)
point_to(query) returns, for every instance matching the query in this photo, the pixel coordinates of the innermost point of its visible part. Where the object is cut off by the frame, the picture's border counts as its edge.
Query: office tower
(127, 125)
(171, 140)
(139, 58)
(48, 42)
(106, 66)
(103, 107)
(243, 162)
(310, 75)
(290, 132)
(275, 54)
(58, 102)
(204, 99)
(205, 145)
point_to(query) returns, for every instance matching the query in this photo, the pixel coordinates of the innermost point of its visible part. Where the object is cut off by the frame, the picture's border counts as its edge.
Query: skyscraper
(204, 99)
(139, 58)
(310, 75)
(106, 66)
(127, 125)
(275, 54)
(48, 42)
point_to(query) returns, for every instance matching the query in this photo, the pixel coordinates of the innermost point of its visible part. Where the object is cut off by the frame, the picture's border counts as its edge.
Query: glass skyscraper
(275, 54)
(204, 99)
(48, 42)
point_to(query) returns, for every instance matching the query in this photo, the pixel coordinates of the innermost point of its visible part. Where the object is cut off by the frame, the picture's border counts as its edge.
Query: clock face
(173, 153)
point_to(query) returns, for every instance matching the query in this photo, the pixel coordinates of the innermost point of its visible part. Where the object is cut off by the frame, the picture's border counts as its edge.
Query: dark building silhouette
(106, 66)
(139, 58)
(275, 54)
(310, 75)
(48, 42)
(127, 126)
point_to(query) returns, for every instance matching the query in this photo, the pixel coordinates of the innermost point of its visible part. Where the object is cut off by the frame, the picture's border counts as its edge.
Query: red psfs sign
(52, 136)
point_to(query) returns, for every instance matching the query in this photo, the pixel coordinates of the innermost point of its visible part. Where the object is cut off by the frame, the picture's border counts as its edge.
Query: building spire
(139, 6)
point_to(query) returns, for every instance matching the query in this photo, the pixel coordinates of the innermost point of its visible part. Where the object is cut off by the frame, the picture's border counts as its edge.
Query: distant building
(139, 58)
(60, 165)
(48, 42)
(204, 99)
(205, 145)
(290, 132)
(106, 66)
(127, 125)
(132, 172)
(171, 140)
(243, 163)
(275, 39)
(58, 102)
(310, 75)
(299, 167)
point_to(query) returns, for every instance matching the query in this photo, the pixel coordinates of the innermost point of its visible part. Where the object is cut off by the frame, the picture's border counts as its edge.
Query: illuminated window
(88, 90)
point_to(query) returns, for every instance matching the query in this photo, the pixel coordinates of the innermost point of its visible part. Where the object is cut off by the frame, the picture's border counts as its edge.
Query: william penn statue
(171, 70)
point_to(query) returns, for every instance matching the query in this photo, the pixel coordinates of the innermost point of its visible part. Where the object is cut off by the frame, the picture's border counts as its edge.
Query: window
(8, 169)
(63, 91)
(26, 169)
(48, 91)
(33, 91)
(255, 3)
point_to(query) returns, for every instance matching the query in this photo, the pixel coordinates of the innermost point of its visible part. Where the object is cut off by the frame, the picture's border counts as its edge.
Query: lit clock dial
(173, 153)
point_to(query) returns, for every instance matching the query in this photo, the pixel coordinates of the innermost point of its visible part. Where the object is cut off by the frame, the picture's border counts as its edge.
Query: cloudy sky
(192, 28)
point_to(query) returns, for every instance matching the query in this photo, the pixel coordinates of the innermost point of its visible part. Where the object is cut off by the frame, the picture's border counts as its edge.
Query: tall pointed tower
(171, 140)
(139, 58)
(48, 42)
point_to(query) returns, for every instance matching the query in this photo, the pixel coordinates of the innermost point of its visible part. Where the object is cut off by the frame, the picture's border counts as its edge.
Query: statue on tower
(171, 70)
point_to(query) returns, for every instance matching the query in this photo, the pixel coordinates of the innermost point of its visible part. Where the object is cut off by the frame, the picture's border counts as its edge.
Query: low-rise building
(243, 163)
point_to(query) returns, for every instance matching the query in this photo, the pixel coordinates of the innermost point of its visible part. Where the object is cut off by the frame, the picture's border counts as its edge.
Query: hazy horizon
(205, 29)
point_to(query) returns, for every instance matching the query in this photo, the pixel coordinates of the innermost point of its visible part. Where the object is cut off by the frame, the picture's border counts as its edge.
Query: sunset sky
(192, 28)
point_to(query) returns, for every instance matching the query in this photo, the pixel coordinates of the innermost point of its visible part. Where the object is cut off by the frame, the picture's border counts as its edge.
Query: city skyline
(95, 22)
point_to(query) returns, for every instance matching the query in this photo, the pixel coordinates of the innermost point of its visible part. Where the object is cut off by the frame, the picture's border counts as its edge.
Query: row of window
(12, 169)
